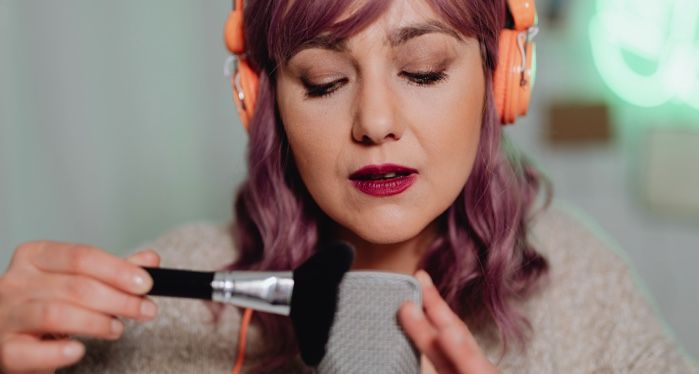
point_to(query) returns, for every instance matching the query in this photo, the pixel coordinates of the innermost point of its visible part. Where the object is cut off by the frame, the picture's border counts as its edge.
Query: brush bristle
(314, 299)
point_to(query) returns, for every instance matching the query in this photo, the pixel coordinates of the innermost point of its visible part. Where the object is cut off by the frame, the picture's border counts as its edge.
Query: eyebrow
(403, 34)
(395, 37)
(325, 41)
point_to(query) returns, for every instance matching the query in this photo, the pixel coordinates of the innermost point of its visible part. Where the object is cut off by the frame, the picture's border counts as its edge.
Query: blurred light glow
(628, 36)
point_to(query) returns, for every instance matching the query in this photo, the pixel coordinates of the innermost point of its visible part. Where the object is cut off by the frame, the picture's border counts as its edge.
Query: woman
(375, 124)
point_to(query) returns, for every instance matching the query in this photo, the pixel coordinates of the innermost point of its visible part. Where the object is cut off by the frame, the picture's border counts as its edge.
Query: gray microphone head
(365, 336)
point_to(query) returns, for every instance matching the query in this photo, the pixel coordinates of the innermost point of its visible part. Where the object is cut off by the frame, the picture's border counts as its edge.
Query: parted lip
(373, 171)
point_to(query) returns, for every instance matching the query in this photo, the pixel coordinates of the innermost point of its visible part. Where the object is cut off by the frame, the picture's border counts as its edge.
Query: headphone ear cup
(248, 85)
(245, 82)
(525, 91)
(518, 94)
(502, 80)
(511, 96)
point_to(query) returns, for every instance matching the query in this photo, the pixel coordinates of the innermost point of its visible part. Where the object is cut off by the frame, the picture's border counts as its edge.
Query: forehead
(301, 21)
(393, 12)
(405, 19)
(396, 14)
(398, 22)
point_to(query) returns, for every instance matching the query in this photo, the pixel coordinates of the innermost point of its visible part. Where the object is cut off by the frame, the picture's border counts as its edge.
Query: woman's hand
(440, 335)
(53, 290)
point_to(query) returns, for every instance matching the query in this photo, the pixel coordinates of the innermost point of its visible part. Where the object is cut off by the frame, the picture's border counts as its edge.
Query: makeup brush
(308, 295)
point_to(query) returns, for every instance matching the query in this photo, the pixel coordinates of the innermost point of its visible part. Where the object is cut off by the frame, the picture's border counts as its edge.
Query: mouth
(382, 172)
(383, 180)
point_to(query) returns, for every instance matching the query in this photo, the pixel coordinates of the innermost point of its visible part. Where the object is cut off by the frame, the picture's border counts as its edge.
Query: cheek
(452, 138)
(451, 163)
(459, 143)
(314, 135)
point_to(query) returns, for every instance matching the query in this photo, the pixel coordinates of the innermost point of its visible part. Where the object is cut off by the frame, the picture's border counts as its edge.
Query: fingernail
(148, 309)
(141, 283)
(117, 327)
(73, 349)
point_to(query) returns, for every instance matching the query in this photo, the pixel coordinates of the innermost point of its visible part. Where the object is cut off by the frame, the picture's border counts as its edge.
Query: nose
(376, 118)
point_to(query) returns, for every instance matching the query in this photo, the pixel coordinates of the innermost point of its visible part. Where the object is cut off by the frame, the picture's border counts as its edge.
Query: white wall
(116, 120)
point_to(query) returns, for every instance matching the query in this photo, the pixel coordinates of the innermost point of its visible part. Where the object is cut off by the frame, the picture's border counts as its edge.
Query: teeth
(385, 176)
(389, 175)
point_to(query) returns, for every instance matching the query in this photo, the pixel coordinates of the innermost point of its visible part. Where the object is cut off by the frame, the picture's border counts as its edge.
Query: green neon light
(647, 51)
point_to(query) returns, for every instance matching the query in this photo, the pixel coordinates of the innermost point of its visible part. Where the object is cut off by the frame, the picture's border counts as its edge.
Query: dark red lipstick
(383, 180)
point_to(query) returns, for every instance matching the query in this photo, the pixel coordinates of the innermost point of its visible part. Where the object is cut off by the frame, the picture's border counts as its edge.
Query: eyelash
(420, 78)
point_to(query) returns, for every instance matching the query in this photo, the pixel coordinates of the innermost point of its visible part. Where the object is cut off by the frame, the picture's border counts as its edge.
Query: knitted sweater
(590, 317)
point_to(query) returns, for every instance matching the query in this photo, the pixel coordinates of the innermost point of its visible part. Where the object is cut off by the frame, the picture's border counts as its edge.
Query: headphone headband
(523, 13)
(233, 32)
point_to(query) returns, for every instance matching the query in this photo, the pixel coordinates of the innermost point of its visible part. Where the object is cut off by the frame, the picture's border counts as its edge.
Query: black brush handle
(181, 283)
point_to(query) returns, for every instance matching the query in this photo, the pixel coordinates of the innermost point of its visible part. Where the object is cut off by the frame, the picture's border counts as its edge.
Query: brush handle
(181, 283)
(262, 291)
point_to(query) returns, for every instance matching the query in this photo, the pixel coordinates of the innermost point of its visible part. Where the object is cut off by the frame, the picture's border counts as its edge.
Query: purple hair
(482, 261)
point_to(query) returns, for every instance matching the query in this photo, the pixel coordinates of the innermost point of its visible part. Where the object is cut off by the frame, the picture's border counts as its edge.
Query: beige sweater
(590, 318)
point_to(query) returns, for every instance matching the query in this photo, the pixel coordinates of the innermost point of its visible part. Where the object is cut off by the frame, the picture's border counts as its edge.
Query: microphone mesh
(366, 336)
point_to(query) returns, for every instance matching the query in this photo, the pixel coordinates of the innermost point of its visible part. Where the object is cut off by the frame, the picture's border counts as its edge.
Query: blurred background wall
(116, 125)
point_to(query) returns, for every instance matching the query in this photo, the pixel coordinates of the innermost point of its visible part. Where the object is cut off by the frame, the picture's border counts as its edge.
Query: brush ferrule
(263, 291)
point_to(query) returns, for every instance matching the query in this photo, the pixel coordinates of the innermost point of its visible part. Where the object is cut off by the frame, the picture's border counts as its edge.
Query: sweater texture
(591, 315)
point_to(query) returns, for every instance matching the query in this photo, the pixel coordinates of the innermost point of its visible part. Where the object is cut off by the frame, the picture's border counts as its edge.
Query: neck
(403, 257)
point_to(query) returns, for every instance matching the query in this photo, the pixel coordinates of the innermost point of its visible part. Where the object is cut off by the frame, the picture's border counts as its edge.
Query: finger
(437, 310)
(40, 317)
(147, 258)
(423, 334)
(93, 262)
(25, 353)
(97, 296)
(459, 350)
(426, 366)
(452, 333)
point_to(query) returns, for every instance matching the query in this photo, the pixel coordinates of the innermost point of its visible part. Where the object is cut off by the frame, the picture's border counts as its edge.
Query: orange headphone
(514, 76)
(244, 80)
(512, 81)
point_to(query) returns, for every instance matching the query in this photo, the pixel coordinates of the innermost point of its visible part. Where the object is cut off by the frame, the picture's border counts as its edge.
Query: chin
(388, 231)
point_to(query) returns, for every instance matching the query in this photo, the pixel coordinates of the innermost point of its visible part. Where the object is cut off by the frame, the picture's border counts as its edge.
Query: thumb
(147, 257)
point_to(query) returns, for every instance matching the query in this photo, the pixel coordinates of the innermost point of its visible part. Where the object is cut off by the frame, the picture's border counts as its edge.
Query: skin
(52, 290)
(384, 108)
(401, 91)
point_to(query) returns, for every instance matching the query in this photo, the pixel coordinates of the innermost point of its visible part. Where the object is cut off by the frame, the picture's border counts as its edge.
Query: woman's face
(384, 126)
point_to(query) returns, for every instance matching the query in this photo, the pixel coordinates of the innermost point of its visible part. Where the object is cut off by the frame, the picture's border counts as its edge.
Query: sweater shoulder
(196, 246)
(573, 241)
(592, 313)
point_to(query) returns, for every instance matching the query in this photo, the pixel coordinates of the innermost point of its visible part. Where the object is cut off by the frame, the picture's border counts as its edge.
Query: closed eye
(421, 78)
(322, 90)
(424, 78)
